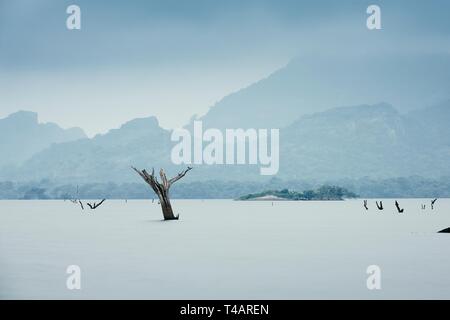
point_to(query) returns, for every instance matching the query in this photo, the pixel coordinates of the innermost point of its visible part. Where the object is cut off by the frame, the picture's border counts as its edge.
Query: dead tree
(397, 205)
(95, 205)
(379, 206)
(445, 231)
(162, 188)
(76, 200)
(432, 203)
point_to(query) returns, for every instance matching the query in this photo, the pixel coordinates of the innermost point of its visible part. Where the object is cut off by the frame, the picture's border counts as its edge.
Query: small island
(324, 193)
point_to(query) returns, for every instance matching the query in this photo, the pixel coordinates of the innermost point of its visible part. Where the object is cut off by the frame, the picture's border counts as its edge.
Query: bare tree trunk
(167, 210)
(162, 189)
(166, 207)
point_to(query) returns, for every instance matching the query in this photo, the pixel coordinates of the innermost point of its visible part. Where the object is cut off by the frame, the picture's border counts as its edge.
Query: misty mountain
(21, 136)
(433, 129)
(374, 141)
(313, 84)
(105, 157)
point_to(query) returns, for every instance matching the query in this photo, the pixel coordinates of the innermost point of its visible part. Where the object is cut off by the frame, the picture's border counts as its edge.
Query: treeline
(411, 187)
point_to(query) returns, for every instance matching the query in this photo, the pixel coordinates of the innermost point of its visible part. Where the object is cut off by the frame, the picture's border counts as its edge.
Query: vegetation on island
(402, 187)
(323, 193)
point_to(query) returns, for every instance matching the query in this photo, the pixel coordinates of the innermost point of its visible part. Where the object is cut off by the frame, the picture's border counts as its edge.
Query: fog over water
(223, 249)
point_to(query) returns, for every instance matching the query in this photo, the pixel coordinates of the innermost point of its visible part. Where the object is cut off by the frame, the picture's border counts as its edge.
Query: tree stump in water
(162, 189)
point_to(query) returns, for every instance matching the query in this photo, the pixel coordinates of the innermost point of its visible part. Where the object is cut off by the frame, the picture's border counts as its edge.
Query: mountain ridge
(375, 141)
(311, 84)
(22, 136)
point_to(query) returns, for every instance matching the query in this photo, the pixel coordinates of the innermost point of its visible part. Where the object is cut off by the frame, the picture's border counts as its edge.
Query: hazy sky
(174, 59)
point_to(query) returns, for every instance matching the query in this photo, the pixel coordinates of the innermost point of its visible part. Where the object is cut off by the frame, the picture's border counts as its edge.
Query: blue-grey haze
(173, 59)
(292, 65)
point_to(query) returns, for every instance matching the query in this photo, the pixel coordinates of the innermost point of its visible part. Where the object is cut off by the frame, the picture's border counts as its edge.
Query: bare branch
(179, 176)
(164, 180)
(397, 205)
(140, 173)
(150, 179)
(99, 204)
(379, 206)
(95, 205)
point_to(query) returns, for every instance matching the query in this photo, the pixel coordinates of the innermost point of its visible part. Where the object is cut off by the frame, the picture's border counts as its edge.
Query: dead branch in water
(95, 205)
(379, 206)
(397, 205)
(162, 188)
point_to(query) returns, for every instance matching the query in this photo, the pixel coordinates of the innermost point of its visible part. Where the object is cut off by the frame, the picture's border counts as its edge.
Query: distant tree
(35, 193)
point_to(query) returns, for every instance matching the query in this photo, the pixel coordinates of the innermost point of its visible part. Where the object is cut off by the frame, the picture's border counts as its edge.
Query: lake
(224, 249)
